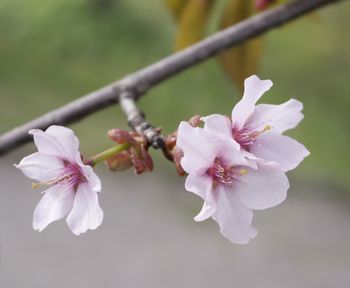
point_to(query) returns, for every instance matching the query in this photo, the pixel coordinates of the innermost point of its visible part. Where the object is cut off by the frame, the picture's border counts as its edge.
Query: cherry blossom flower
(227, 182)
(73, 186)
(257, 129)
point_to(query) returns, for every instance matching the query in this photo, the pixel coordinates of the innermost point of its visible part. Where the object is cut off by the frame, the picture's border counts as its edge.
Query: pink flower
(229, 184)
(257, 129)
(73, 186)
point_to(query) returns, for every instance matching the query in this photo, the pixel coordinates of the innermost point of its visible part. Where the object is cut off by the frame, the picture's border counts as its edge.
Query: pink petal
(86, 213)
(262, 188)
(54, 205)
(233, 218)
(93, 180)
(219, 125)
(207, 211)
(58, 141)
(284, 150)
(202, 186)
(228, 151)
(254, 88)
(198, 148)
(280, 117)
(40, 167)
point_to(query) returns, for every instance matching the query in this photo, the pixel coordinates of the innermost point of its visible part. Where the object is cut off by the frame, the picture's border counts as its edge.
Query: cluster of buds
(136, 155)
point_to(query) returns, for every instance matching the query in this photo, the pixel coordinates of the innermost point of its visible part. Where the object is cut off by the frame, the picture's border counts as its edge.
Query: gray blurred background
(52, 52)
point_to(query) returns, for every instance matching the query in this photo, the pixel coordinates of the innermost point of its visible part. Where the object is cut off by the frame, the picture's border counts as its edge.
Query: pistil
(223, 174)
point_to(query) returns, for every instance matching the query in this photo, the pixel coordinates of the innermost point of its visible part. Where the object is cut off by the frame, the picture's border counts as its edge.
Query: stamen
(243, 172)
(36, 185)
(63, 179)
(248, 135)
(222, 174)
(258, 133)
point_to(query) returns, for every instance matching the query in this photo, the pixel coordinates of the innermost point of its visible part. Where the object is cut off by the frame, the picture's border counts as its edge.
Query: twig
(140, 82)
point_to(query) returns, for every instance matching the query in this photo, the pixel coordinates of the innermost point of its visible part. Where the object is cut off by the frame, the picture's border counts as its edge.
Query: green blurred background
(55, 51)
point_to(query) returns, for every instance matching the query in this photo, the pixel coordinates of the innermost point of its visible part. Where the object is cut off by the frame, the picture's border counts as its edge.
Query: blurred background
(52, 52)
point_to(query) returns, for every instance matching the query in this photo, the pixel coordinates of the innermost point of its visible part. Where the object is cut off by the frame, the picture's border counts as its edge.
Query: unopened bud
(119, 162)
(195, 121)
(170, 141)
(141, 160)
(178, 154)
(121, 136)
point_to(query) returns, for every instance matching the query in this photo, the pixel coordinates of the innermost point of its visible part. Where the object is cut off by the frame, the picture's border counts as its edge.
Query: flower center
(247, 136)
(223, 174)
(70, 174)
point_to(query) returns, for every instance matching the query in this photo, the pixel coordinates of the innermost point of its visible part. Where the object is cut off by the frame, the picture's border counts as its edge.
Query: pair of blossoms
(236, 165)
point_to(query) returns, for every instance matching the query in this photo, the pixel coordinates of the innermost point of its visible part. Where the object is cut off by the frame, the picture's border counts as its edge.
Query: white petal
(93, 180)
(254, 88)
(280, 117)
(229, 149)
(201, 147)
(219, 125)
(86, 213)
(229, 153)
(200, 185)
(58, 141)
(262, 188)
(207, 211)
(41, 167)
(203, 187)
(279, 148)
(198, 148)
(233, 218)
(56, 203)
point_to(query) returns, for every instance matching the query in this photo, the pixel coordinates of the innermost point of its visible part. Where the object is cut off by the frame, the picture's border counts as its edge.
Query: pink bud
(137, 155)
(178, 154)
(195, 121)
(141, 160)
(147, 159)
(121, 136)
(119, 162)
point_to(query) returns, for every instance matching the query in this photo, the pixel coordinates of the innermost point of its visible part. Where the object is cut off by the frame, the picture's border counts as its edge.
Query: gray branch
(140, 82)
(136, 117)
(137, 121)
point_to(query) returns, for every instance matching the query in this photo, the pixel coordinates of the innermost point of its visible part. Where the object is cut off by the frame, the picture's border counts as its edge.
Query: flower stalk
(109, 153)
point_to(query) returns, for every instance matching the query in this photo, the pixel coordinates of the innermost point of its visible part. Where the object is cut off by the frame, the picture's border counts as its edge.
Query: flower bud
(119, 162)
(137, 155)
(121, 136)
(195, 121)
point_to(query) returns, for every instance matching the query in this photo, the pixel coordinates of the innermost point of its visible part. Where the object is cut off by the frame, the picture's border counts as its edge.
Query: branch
(138, 123)
(141, 81)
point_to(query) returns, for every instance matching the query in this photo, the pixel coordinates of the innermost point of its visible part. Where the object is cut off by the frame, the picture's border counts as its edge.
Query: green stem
(104, 155)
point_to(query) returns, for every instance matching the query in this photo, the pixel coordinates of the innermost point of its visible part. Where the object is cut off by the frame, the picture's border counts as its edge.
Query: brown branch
(140, 82)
